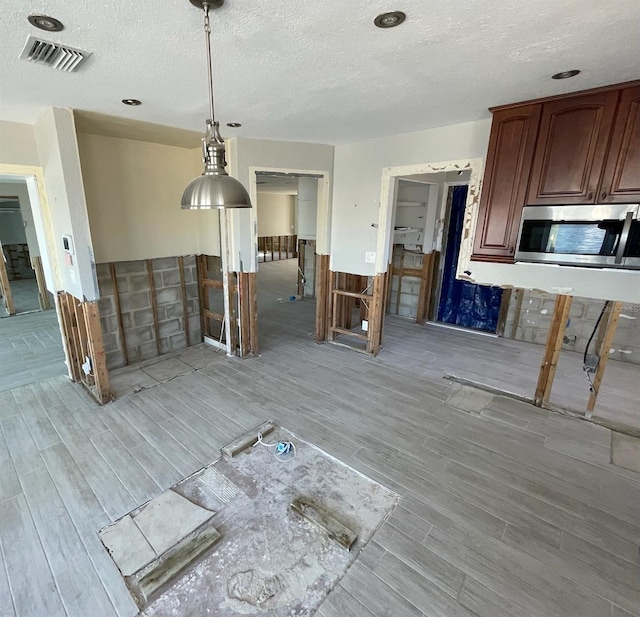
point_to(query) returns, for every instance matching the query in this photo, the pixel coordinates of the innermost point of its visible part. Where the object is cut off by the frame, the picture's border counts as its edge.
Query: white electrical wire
(283, 450)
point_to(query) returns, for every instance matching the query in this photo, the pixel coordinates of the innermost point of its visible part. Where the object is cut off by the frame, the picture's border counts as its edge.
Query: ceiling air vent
(56, 56)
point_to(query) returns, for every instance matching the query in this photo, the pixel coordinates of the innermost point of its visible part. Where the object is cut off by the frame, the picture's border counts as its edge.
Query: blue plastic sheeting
(462, 303)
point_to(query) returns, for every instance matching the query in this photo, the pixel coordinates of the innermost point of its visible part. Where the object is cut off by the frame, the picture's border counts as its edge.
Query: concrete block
(130, 267)
(171, 278)
(142, 317)
(625, 451)
(147, 351)
(168, 328)
(172, 311)
(165, 263)
(157, 280)
(192, 290)
(110, 342)
(178, 341)
(137, 336)
(106, 306)
(139, 281)
(102, 271)
(171, 294)
(106, 287)
(115, 359)
(134, 301)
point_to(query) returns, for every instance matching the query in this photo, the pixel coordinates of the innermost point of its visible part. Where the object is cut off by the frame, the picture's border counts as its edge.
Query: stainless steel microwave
(597, 236)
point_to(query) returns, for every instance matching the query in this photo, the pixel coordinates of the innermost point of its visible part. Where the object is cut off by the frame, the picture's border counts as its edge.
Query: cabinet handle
(590, 196)
(511, 250)
(604, 195)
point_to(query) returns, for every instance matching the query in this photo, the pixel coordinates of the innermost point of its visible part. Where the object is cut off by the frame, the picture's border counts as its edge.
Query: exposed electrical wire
(585, 367)
(282, 450)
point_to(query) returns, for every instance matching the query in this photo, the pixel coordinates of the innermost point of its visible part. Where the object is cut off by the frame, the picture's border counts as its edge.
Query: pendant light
(214, 188)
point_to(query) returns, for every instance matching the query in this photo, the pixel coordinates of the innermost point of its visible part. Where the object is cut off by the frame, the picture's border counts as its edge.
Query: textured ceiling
(317, 71)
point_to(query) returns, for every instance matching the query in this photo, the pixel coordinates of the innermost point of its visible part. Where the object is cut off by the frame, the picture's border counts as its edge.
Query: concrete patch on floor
(472, 400)
(269, 559)
(625, 451)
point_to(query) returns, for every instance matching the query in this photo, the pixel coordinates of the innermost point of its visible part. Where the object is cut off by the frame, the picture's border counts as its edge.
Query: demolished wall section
(136, 308)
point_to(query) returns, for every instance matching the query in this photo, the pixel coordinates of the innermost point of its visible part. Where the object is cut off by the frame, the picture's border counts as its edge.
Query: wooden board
(552, 349)
(43, 294)
(5, 287)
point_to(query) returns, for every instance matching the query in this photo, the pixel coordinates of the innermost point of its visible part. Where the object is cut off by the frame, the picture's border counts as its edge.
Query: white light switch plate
(365, 325)
(370, 257)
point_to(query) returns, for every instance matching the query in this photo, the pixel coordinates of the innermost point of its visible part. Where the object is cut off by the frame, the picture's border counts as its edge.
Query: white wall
(58, 153)
(307, 208)
(245, 154)
(18, 144)
(276, 214)
(357, 182)
(133, 190)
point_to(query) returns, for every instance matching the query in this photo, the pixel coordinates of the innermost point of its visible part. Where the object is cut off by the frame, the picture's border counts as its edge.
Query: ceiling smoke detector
(44, 22)
(389, 20)
(566, 74)
(61, 57)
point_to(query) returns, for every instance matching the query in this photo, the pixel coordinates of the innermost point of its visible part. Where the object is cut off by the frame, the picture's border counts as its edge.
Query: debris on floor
(253, 533)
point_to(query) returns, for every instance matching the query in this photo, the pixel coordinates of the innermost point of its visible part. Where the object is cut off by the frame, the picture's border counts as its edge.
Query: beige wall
(276, 214)
(18, 144)
(133, 190)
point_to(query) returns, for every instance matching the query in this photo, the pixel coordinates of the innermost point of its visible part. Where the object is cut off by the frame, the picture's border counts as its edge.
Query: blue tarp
(461, 303)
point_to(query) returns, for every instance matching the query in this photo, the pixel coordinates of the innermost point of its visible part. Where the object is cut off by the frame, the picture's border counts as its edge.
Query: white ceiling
(317, 71)
(277, 185)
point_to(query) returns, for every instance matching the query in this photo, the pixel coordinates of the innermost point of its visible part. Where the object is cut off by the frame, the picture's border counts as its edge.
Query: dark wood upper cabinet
(511, 147)
(572, 145)
(621, 179)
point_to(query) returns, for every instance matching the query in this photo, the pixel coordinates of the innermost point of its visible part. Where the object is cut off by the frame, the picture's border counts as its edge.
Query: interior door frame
(323, 214)
(390, 175)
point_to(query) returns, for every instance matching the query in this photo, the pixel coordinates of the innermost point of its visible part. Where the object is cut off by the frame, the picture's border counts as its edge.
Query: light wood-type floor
(507, 510)
(25, 297)
(30, 349)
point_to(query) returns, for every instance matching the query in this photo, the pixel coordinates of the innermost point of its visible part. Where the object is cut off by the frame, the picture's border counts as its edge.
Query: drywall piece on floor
(317, 516)
(147, 582)
(469, 399)
(168, 518)
(625, 451)
(247, 440)
(127, 545)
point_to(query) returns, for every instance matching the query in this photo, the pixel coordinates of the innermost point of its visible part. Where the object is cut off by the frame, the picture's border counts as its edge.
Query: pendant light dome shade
(214, 188)
(209, 191)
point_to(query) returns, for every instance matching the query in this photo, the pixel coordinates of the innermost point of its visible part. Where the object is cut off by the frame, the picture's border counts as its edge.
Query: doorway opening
(22, 285)
(289, 214)
(31, 347)
(423, 216)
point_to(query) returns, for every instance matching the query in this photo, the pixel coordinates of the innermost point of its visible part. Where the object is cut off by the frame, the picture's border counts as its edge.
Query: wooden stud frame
(605, 341)
(43, 294)
(83, 339)
(552, 349)
(5, 286)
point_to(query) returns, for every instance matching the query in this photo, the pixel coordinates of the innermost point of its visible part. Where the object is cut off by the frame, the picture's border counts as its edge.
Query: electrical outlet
(365, 325)
(370, 257)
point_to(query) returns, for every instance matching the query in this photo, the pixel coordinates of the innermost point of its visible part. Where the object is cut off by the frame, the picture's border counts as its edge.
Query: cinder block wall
(137, 313)
(537, 311)
(410, 290)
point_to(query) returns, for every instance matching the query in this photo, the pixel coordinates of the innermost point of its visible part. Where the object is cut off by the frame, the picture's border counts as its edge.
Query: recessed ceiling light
(44, 22)
(565, 74)
(389, 20)
(132, 102)
(234, 125)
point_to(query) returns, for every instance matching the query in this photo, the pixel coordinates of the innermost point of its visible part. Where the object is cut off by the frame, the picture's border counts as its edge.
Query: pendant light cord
(207, 30)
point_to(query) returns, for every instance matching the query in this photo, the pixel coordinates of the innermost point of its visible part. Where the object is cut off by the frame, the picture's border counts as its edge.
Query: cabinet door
(621, 180)
(571, 149)
(511, 145)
